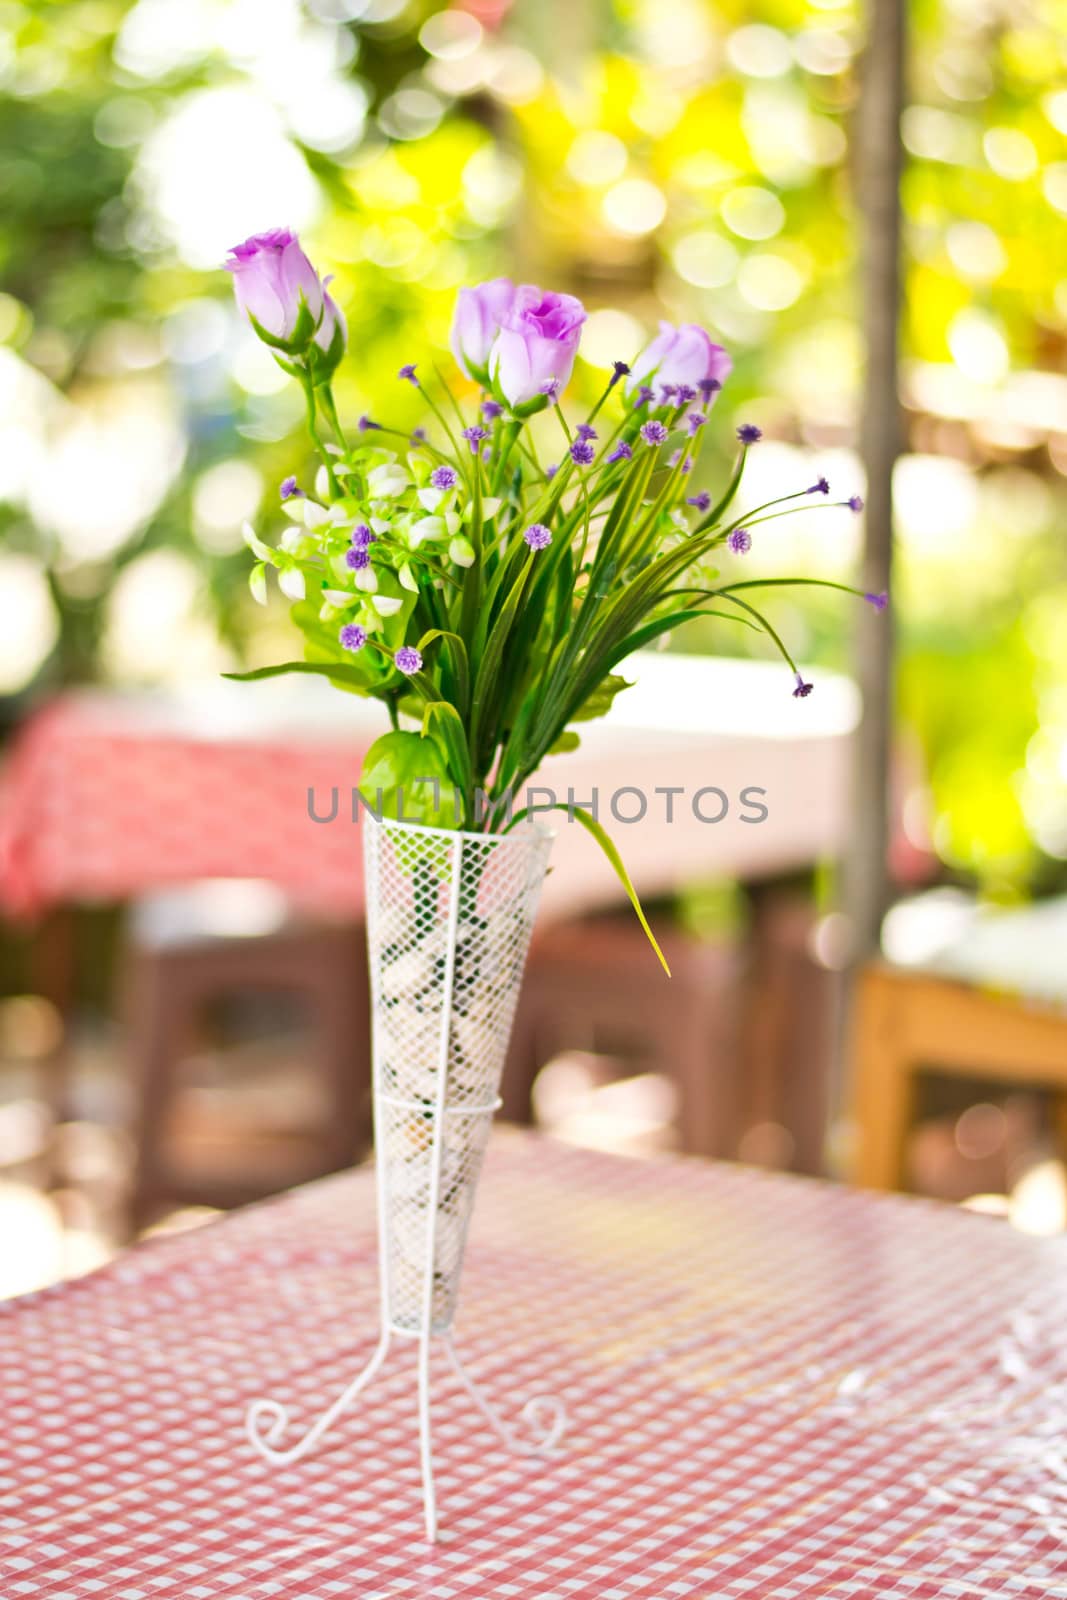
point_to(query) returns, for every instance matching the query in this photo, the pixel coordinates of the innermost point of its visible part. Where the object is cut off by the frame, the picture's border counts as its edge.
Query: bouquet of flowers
(487, 597)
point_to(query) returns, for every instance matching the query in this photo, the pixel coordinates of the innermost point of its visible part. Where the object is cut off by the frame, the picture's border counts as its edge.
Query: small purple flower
(289, 487)
(694, 422)
(619, 370)
(748, 433)
(653, 433)
(621, 452)
(491, 409)
(708, 387)
(643, 396)
(418, 435)
(357, 557)
(584, 431)
(408, 372)
(537, 536)
(362, 536)
(474, 437)
(855, 503)
(820, 486)
(365, 424)
(552, 469)
(582, 452)
(802, 689)
(551, 387)
(702, 501)
(878, 601)
(352, 636)
(408, 660)
(666, 392)
(676, 456)
(740, 541)
(444, 478)
(684, 393)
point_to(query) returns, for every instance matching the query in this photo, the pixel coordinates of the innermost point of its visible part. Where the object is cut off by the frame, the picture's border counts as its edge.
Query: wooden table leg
(884, 1079)
(52, 972)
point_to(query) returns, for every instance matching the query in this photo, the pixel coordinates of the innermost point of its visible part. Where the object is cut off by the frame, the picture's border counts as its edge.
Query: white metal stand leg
(267, 1419)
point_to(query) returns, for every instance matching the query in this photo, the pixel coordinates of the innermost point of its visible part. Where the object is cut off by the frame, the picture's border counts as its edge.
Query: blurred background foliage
(680, 158)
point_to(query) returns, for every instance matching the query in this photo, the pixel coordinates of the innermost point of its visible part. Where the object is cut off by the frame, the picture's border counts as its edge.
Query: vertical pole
(877, 169)
(436, 1161)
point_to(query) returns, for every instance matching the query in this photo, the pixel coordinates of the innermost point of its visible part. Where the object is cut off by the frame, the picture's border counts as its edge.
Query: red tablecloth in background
(106, 795)
(777, 1390)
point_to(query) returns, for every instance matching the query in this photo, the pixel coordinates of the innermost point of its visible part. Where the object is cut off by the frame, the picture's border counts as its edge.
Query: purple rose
(273, 278)
(476, 323)
(534, 351)
(683, 356)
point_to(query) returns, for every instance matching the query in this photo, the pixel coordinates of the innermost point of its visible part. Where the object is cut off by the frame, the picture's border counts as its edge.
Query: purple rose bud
(584, 431)
(582, 452)
(820, 486)
(476, 323)
(362, 536)
(683, 356)
(702, 501)
(289, 487)
(855, 503)
(740, 541)
(491, 409)
(643, 396)
(878, 601)
(444, 478)
(748, 433)
(408, 660)
(537, 536)
(357, 557)
(621, 452)
(802, 689)
(365, 424)
(474, 437)
(272, 278)
(533, 353)
(695, 421)
(408, 373)
(653, 433)
(619, 370)
(352, 636)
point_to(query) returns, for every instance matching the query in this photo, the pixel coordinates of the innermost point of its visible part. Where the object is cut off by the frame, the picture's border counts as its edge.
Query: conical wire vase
(449, 918)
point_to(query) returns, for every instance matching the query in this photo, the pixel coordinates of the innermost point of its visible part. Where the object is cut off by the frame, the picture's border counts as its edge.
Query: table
(778, 1390)
(108, 795)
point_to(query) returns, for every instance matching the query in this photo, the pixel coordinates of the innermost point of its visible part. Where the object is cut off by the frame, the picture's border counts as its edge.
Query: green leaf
(334, 670)
(406, 776)
(600, 701)
(454, 739)
(603, 839)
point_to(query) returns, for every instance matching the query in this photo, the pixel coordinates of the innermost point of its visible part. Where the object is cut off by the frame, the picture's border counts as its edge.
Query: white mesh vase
(449, 918)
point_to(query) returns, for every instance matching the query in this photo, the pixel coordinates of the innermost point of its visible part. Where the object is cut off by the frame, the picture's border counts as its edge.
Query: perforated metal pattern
(449, 917)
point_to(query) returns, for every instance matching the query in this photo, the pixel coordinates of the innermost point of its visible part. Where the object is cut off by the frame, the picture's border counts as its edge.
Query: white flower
(407, 578)
(462, 552)
(386, 482)
(386, 605)
(431, 498)
(367, 580)
(255, 543)
(292, 584)
(426, 528)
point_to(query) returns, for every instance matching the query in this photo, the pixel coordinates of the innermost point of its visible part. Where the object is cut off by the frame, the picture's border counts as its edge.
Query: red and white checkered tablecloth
(776, 1389)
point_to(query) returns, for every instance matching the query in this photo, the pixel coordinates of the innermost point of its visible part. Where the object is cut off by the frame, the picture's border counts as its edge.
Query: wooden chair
(187, 951)
(594, 985)
(988, 1001)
